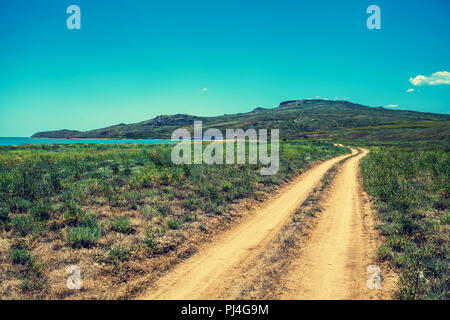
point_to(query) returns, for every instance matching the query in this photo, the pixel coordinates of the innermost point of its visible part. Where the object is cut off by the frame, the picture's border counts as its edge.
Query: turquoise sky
(133, 60)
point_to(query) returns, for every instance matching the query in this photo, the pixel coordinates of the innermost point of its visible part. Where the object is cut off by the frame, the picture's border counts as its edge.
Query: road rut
(208, 273)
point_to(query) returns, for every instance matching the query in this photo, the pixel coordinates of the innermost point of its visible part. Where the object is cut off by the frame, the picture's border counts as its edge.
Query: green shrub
(118, 254)
(161, 231)
(73, 211)
(214, 207)
(121, 224)
(23, 224)
(32, 283)
(149, 240)
(226, 186)
(83, 236)
(384, 252)
(41, 211)
(147, 212)
(133, 198)
(173, 224)
(189, 218)
(191, 203)
(89, 221)
(164, 208)
(21, 256)
(4, 216)
(115, 167)
(20, 205)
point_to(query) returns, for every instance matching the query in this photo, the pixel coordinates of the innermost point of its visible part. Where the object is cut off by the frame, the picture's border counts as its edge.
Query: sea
(17, 141)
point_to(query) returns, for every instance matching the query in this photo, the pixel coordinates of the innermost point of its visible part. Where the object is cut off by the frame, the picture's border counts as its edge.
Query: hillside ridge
(294, 118)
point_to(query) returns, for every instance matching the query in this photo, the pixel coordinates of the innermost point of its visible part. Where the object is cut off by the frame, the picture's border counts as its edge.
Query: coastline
(94, 139)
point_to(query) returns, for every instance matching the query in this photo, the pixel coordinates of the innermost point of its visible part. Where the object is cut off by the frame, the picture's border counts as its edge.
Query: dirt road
(332, 264)
(210, 272)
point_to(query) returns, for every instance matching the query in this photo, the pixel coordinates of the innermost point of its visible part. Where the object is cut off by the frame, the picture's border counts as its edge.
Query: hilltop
(295, 119)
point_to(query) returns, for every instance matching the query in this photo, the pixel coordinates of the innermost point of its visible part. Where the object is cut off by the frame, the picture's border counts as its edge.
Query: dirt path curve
(334, 261)
(209, 273)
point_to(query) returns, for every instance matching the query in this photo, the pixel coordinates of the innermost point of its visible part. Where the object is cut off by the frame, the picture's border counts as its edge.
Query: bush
(23, 224)
(41, 211)
(21, 256)
(164, 208)
(191, 203)
(173, 224)
(121, 224)
(147, 212)
(4, 216)
(189, 218)
(83, 236)
(73, 211)
(89, 221)
(118, 254)
(20, 205)
(209, 206)
(133, 198)
(149, 240)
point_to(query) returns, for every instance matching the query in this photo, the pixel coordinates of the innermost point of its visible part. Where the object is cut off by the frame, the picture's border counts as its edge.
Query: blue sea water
(13, 141)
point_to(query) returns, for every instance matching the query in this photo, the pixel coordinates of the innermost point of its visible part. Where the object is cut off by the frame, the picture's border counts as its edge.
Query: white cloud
(410, 90)
(440, 77)
(205, 89)
(392, 106)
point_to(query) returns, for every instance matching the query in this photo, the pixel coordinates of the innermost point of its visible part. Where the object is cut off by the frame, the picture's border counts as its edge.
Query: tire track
(210, 273)
(333, 263)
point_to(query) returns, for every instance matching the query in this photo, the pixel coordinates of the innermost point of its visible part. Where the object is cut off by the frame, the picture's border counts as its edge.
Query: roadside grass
(411, 189)
(81, 204)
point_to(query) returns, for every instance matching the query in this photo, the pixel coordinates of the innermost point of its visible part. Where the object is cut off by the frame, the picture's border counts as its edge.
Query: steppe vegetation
(411, 189)
(112, 208)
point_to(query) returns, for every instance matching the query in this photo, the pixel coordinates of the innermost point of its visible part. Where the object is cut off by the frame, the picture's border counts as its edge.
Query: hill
(295, 119)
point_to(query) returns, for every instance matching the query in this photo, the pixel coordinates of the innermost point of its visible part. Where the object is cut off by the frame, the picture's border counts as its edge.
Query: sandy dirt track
(210, 272)
(333, 262)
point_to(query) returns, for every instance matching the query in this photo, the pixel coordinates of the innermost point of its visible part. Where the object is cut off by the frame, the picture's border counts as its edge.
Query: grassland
(119, 212)
(411, 189)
